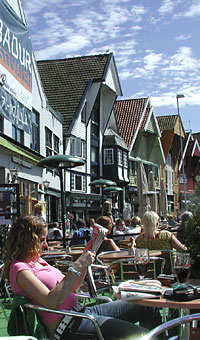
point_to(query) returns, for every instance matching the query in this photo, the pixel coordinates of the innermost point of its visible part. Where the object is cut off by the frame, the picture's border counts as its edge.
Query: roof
(167, 122)
(128, 113)
(112, 138)
(65, 81)
(196, 136)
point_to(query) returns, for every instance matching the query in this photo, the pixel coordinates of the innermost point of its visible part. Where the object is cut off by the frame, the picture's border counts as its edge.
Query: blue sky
(155, 45)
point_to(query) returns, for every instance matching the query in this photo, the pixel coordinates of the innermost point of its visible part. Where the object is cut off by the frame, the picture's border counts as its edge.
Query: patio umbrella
(152, 193)
(142, 187)
(102, 183)
(163, 198)
(61, 162)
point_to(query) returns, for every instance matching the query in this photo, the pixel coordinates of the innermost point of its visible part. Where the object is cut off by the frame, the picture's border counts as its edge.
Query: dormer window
(108, 157)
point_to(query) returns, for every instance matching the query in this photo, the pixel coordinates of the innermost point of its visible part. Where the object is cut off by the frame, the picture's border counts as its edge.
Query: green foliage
(192, 234)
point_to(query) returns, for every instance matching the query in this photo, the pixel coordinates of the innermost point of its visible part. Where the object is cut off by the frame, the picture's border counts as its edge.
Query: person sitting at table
(153, 238)
(32, 277)
(54, 233)
(135, 227)
(82, 235)
(119, 229)
(108, 244)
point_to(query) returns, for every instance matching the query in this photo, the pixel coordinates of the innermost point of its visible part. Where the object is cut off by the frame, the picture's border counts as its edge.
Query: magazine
(150, 287)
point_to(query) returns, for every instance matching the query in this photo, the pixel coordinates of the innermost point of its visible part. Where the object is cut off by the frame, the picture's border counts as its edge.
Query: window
(18, 134)
(83, 144)
(125, 159)
(35, 131)
(94, 154)
(108, 157)
(77, 147)
(56, 144)
(95, 117)
(78, 182)
(119, 157)
(52, 143)
(83, 114)
(155, 171)
(48, 134)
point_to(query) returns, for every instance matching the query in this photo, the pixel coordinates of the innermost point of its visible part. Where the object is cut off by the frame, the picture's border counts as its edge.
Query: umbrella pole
(62, 206)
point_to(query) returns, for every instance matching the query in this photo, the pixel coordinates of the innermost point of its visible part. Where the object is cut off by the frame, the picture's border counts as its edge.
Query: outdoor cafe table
(120, 255)
(183, 306)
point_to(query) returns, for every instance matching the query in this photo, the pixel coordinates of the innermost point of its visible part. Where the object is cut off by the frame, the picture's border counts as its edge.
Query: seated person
(153, 238)
(82, 235)
(119, 229)
(108, 244)
(44, 285)
(135, 228)
(55, 233)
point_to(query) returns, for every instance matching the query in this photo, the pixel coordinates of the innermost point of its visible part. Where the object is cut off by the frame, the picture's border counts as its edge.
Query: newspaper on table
(97, 238)
(132, 290)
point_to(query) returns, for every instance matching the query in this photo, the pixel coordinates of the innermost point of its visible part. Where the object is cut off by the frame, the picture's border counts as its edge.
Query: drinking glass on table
(182, 266)
(141, 261)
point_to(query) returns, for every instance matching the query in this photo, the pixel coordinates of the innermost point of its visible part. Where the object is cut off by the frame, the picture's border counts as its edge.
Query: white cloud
(193, 11)
(76, 43)
(167, 7)
(182, 37)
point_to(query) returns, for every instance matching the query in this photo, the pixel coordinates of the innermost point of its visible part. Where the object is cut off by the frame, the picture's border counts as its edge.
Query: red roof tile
(128, 113)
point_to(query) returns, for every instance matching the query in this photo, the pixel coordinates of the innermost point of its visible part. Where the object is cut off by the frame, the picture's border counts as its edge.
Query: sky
(155, 45)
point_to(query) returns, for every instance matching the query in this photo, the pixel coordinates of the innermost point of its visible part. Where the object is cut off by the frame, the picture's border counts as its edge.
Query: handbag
(181, 292)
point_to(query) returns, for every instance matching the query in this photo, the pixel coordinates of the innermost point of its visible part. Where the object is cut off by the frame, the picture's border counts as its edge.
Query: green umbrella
(61, 162)
(113, 189)
(102, 183)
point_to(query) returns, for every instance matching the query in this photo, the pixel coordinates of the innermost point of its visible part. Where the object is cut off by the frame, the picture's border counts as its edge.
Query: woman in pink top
(45, 285)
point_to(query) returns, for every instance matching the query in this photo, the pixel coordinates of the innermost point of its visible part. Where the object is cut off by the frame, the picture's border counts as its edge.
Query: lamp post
(46, 186)
(178, 96)
(61, 162)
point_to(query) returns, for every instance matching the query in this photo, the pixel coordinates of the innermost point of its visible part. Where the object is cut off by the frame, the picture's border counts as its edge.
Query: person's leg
(116, 320)
(148, 317)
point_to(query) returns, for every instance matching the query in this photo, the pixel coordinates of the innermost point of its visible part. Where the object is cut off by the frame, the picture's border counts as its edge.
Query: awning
(10, 146)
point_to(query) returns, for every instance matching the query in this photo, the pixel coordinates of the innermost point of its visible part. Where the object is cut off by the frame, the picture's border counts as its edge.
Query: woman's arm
(53, 298)
(177, 244)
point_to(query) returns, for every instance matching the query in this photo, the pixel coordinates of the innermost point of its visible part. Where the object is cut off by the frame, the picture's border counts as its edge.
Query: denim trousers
(116, 320)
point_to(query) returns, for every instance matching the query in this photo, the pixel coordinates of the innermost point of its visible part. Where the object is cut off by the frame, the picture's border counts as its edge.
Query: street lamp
(178, 96)
(61, 162)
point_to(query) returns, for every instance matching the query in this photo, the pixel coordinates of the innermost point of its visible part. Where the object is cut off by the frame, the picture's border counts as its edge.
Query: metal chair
(182, 320)
(73, 313)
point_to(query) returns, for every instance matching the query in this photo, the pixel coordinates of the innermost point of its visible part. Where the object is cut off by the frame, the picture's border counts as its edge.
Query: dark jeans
(116, 320)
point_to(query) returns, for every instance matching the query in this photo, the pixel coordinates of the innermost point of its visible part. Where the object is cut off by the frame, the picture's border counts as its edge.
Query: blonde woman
(153, 238)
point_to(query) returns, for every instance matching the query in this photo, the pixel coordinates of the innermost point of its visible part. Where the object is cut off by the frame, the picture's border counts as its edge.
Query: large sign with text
(15, 64)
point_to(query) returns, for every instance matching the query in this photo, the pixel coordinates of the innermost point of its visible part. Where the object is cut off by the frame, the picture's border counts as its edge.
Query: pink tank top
(49, 275)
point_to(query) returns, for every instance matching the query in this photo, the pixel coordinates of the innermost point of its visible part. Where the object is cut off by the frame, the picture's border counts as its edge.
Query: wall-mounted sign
(16, 65)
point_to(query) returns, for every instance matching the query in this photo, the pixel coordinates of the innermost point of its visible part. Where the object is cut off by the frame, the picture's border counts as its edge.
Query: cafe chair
(77, 336)
(182, 320)
(24, 320)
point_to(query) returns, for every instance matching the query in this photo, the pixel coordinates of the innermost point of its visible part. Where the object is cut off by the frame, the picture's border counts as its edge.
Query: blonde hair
(23, 240)
(136, 220)
(150, 222)
(37, 208)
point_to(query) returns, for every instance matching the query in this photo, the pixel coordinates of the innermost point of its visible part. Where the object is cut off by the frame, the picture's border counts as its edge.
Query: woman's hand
(85, 260)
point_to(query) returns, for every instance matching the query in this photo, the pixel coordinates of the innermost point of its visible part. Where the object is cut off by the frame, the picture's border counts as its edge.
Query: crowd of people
(32, 277)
